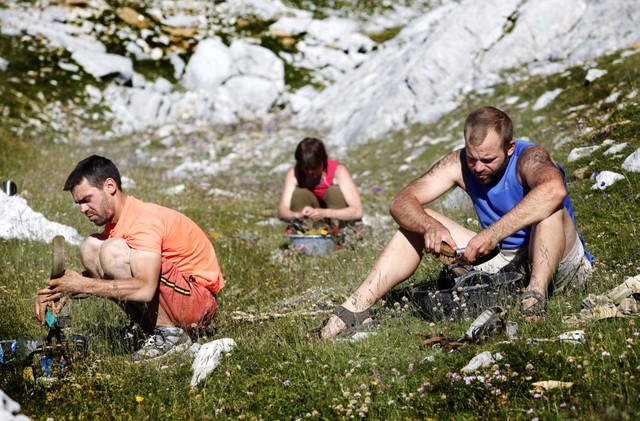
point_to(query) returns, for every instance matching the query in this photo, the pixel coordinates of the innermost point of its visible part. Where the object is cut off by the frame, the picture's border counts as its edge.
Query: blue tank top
(492, 201)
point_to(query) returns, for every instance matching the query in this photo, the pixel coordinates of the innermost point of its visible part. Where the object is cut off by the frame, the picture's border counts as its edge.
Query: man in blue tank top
(520, 196)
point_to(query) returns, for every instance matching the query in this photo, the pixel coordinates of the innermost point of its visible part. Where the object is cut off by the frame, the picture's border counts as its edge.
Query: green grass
(276, 371)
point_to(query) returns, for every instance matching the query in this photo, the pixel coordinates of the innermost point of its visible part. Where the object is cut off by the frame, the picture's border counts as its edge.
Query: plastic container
(313, 244)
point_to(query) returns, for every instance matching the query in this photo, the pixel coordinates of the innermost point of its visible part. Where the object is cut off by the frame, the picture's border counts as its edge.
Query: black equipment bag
(466, 296)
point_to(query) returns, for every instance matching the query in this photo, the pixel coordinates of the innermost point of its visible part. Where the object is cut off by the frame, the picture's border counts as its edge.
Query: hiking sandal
(538, 309)
(355, 321)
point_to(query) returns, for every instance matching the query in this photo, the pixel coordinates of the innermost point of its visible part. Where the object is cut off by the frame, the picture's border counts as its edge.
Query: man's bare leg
(110, 259)
(551, 241)
(398, 261)
(90, 255)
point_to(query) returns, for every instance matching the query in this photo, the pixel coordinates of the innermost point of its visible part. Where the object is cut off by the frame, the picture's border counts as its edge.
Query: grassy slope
(276, 372)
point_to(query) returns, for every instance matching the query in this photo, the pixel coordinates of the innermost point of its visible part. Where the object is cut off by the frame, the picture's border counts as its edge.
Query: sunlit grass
(273, 301)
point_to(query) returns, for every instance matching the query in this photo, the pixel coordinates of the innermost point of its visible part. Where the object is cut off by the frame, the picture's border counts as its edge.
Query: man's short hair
(484, 119)
(95, 169)
(311, 154)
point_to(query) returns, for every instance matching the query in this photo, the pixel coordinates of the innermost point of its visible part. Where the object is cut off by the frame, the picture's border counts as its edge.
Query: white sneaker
(163, 341)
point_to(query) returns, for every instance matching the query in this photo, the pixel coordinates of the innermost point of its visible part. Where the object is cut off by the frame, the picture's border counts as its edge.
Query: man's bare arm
(407, 208)
(141, 287)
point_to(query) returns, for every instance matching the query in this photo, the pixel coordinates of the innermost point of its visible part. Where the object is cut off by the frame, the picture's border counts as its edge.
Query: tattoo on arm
(116, 288)
(445, 161)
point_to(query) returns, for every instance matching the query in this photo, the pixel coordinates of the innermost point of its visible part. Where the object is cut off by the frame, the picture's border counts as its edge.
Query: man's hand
(40, 307)
(46, 300)
(70, 283)
(482, 244)
(436, 234)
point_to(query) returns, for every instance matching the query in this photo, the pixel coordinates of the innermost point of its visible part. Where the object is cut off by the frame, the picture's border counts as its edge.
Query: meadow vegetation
(275, 299)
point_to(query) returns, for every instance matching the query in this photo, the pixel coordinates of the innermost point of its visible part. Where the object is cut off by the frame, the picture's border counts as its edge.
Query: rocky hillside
(349, 74)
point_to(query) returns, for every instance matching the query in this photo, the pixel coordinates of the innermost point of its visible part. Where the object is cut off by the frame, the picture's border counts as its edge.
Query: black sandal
(538, 309)
(354, 321)
(350, 318)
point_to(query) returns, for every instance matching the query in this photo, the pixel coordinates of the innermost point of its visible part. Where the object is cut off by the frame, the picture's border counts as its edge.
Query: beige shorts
(574, 270)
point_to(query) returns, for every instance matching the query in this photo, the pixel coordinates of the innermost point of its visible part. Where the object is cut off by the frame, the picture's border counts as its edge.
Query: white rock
(606, 179)
(156, 53)
(336, 31)
(546, 99)
(462, 46)
(265, 10)
(511, 100)
(358, 336)
(99, 64)
(251, 59)
(162, 85)
(578, 153)
(94, 93)
(193, 350)
(617, 148)
(301, 98)
(178, 65)
(127, 182)
(181, 20)
(594, 74)
(223, 193)
(613, 97)
(209, 66)
(138, 52)
(253, 96)
(291, 25)
(269, 222)
(632, 163)
(456, 199)
(172, 191)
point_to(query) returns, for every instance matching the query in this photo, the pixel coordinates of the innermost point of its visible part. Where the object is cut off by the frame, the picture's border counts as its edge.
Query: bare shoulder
(341, 168)
(341, 174)
(536, 166)
(447, 168)
(535, 158)
(447, 162)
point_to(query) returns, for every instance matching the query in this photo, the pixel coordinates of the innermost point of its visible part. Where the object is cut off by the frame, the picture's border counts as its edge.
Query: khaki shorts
(573, 272)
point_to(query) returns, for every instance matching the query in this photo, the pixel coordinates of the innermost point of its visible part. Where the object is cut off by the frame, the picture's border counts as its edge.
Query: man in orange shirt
(156, 263)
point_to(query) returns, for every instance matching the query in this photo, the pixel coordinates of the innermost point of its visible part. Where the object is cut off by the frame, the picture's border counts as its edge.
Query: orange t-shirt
(150, 227)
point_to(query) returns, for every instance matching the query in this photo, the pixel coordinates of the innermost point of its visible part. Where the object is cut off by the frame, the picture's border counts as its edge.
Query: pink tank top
(321, 188)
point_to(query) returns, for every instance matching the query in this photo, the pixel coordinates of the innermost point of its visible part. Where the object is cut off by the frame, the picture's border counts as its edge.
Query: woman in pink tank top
(317, 188)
